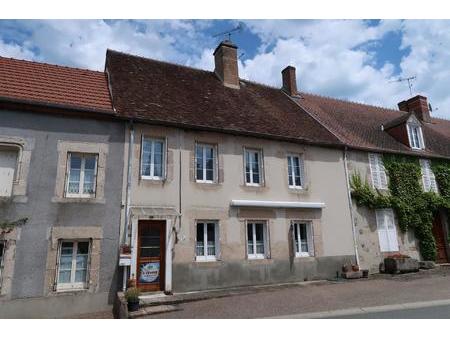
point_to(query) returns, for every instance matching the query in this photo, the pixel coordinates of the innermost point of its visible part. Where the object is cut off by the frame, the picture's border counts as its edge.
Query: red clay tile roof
(359, 125)
(172, 94)
(47, 84)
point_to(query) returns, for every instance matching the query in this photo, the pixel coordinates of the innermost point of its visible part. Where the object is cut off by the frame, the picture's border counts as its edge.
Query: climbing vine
(9, 225)
(415, 209)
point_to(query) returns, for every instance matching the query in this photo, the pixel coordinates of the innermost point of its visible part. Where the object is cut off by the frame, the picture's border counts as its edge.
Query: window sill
(91, 200)
(256, 261)
(73, 290)
(151, 178)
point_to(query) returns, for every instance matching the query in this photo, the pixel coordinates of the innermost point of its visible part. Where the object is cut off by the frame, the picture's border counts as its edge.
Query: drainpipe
(128, 196)
(355, 242)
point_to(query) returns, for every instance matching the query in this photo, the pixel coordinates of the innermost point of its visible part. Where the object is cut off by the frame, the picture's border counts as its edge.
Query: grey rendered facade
(43, 142)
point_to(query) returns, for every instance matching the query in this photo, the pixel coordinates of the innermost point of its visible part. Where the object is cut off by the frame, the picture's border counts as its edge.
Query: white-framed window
(378, 172)
(428, 178)
(253, 167)
(415, 136)
(205, 163)
(303, 238)
(81, 175)
(152, 158)
(387, 232)
(257, 243)
(8, 169)
(206, 247)
(73, 264)
(295, 171)
(2, 254)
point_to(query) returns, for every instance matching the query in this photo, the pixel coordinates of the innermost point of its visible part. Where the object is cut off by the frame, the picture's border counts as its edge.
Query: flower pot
(133, 305)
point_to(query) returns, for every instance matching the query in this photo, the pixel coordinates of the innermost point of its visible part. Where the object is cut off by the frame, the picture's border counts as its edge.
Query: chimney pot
(289, 80)
(419, 106)
(226, 64)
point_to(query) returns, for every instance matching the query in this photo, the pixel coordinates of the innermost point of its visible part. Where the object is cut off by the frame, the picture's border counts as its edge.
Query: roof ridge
(348, 101)
(51, 64)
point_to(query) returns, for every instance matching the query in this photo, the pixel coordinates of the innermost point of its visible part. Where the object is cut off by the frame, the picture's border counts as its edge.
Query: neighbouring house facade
(369, 132)
(60, 190)
(231, 183)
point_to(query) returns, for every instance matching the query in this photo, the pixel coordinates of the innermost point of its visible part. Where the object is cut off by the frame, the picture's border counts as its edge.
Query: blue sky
(351, 59)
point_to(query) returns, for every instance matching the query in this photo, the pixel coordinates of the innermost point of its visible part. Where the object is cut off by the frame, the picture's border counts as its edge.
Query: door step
(152, 310)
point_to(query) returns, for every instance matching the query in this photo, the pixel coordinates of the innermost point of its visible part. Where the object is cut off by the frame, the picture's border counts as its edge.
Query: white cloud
(333, 57)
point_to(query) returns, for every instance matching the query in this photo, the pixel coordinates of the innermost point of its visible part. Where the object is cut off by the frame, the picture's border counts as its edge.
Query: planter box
(400, 265)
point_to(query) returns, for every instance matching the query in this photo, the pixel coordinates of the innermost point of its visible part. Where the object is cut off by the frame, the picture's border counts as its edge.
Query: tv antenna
(410, 79)
(229, 32)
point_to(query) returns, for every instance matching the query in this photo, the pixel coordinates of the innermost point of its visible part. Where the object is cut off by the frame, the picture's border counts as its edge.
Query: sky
(357, 60)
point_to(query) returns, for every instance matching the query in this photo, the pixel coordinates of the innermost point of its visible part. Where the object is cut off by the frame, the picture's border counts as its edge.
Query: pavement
(426, 293)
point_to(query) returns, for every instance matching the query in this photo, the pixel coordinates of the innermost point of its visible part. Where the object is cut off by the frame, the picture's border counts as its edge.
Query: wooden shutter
(391, 231)
(302, 171)
(217, 238)
(374, 171)
(382, 230)
(428, 178)
(310, 234)
(378, 172)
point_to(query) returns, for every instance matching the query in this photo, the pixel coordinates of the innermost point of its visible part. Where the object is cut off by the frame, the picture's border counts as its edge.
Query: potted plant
(132, 296)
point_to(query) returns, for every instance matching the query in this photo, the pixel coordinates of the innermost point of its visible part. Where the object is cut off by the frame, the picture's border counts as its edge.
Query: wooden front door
(438, 233)
(150, 256)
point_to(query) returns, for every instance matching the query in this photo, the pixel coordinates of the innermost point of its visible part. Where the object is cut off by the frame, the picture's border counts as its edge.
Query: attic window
(415, 136)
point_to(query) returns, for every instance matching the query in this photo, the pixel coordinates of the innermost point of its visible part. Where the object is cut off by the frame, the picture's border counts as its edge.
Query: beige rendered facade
(181, 201)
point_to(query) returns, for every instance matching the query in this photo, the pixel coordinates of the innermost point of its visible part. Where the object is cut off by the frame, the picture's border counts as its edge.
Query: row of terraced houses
(209, 180)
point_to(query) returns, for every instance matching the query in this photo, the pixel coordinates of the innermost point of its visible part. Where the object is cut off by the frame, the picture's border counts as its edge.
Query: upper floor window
(428, 178)
(73, 265)
(378, 172)
(152, 163)
(8, 167)
(205, 163)
(303, 239)
(257, 247)
(295, 171)
(206, 242)
(253, 167)
(81, 175)
(415, 136)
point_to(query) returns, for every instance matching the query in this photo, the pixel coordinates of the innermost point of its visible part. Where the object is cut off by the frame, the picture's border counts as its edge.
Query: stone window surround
(25, 147)
(66, 147)
(9, 238)
(58, 233)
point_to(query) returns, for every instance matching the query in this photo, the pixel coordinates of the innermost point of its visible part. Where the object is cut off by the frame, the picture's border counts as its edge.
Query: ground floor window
(256, 240)
(206, 242)
(387, 233)
(303, 239)
(73, 263)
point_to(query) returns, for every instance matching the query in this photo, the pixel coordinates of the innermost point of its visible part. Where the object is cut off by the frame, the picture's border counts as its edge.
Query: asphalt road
(434, 312)
(361, 295)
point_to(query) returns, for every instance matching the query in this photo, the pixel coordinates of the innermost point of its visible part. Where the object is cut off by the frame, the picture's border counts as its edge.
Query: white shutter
(391, 230)
(382, 230)
(378, 172)
(310, 233)
(428, 178)
(8, 162)
(387, 232)
(302, 172)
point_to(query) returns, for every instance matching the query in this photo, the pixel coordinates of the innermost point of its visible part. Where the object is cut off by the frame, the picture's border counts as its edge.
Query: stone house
(61, 169)
(230, 182)
(368, 132)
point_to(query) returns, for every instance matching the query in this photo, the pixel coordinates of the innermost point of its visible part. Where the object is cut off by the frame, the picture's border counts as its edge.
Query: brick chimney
(226, 65)
(419, 105)
(289, 80)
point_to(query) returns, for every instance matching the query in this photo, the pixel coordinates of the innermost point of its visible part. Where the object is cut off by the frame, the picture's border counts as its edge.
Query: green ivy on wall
(415, 209)
(9, 225)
